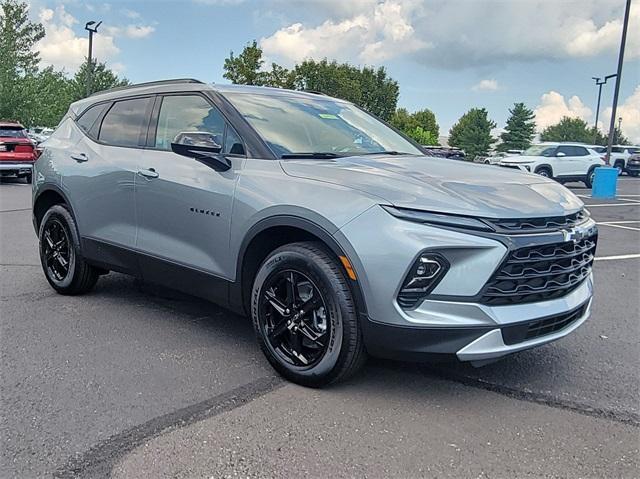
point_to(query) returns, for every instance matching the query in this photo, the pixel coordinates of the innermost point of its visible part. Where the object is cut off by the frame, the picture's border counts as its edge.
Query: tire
(338, 351)
(620, 166)
(544, 171)
(59, 228)
(634, 173)
(28, 178)
(588, 182)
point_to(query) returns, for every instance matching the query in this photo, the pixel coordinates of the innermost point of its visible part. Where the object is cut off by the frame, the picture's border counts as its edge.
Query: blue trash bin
(605, 182)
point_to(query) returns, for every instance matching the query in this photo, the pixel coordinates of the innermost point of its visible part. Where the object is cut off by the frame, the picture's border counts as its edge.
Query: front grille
(526, 225)
(541, 327)
(540, 273)
(513, 167)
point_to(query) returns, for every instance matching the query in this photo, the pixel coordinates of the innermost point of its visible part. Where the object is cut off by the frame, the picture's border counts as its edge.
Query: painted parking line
(619, 226)
(620, 256)
(611, 204)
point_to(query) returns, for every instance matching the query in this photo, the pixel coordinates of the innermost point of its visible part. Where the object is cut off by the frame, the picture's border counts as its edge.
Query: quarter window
(192, 113)
(88, 120)
(126, 123)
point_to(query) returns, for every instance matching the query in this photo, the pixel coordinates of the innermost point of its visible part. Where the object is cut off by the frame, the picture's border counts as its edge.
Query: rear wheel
(591, 175)
(305, 317)
(27, 178)
(619, 165)
(64, 267)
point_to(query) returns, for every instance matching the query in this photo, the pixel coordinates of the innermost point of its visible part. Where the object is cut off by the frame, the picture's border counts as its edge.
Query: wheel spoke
(63, 262)
(311, 335)
(296, 348)
(278, 329)
(275, 302)
(47, 237)
(291, 284)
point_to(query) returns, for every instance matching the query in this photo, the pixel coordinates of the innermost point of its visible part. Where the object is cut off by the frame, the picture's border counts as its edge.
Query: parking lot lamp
(91, 27)
(614, 107)
(599, 83)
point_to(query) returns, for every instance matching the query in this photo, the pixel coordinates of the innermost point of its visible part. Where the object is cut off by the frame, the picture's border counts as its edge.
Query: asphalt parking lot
(132, 381)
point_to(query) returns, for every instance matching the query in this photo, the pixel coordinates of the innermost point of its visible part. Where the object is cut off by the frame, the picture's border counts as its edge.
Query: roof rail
(150, 83)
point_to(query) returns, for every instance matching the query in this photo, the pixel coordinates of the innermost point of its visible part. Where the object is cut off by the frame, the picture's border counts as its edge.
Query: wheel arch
(47, 197)
(271, 233)
(544, 166)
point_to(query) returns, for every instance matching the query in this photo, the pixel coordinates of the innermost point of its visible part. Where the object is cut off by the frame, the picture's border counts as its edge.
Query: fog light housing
(424, 275)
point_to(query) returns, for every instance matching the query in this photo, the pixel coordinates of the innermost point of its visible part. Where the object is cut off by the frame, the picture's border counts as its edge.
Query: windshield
(9, 132)
(291, 124)
(540, 150)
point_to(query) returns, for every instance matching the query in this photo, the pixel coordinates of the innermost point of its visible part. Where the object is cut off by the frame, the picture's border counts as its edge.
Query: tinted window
(10, 132)
(573, 150)
(540, 150)
(189, 113)
(88, 120)
(617, 149)
(126, 122)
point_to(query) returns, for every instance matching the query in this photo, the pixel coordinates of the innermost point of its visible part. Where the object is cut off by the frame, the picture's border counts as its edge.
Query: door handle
(149, 173)
(79, 157)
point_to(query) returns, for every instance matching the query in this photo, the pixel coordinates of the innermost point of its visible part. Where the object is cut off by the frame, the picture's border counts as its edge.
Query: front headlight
(424, 275)
(438, 219)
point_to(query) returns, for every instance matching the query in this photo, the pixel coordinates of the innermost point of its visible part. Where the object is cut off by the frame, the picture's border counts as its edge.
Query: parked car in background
(497, 157)
(620, 155)
(563, 162)
(444, 152)
(39, 134)
(633, 164)
(17, 151)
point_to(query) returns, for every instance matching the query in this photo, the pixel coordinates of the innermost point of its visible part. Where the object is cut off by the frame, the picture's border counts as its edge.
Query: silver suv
(333, 231)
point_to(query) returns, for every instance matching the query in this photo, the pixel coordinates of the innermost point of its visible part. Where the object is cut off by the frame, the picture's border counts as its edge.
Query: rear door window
(126, 123)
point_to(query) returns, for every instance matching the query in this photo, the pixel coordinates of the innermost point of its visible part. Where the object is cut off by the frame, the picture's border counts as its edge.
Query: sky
(447, 55)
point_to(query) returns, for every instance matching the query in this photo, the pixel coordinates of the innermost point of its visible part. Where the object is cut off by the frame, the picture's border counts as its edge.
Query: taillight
(23, 149)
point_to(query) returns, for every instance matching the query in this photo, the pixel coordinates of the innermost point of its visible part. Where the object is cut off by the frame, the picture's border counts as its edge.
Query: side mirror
(560, 154)
(202, 147)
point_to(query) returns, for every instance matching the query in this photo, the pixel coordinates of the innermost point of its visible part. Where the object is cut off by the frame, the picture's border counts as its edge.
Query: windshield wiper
(314, 156)
(391, 152)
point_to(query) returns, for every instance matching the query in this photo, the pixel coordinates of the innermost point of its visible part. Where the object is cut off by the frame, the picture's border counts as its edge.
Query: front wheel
(64, 267)
(305, 317)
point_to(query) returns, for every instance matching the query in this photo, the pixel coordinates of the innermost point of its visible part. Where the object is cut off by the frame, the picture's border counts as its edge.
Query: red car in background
(17, 151)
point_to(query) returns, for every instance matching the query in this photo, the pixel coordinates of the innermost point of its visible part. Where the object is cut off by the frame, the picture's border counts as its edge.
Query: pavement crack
(99, 460)
(624, 417)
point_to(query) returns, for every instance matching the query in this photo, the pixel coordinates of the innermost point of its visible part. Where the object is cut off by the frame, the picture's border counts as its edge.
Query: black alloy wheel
(57, 250)
(305, 316)
(61, 255)
(293, 316)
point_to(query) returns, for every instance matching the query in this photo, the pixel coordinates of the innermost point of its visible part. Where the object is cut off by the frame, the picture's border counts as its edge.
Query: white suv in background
(561, 161)
(620, 156)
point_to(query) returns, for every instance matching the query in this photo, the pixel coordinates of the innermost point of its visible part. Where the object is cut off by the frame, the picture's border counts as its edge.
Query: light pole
(599, 83)
(623, 41)
(91, 27)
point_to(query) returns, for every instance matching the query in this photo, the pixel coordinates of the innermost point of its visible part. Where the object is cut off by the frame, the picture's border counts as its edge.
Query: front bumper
(482, 343)
(632, 167)
(7, 168)
(453, 319)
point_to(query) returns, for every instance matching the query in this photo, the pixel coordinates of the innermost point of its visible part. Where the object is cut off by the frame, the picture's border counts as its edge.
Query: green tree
(618, 138)
(568, 129)
(18, 60)
(101, 79)
(245, 69)
(51, 94)
(519, 130)
(421, 125)
(367, 87)
(472, 133)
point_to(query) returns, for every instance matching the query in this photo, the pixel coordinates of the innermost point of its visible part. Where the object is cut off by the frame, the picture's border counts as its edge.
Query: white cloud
(63, 48)
(131, 14)
(445, 33)
(374, 35)
(629, 111)
(553, 107)
(485, 85)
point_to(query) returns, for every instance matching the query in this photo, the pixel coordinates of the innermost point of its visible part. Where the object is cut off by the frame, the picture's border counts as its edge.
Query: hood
(441, 185)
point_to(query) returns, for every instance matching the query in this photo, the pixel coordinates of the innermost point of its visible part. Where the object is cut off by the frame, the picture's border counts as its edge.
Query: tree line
(38, 96)
(30, 94)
